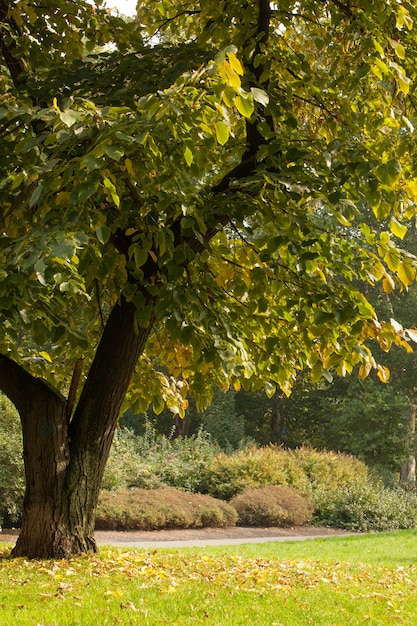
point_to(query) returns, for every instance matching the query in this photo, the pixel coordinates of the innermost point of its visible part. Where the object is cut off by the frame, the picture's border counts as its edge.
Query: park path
(199, 537)
(212, 536)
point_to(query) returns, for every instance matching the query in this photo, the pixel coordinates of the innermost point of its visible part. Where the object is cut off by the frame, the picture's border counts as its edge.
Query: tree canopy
(209, 163)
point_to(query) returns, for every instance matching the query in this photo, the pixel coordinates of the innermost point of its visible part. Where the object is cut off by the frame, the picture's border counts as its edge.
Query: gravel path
(201, 536)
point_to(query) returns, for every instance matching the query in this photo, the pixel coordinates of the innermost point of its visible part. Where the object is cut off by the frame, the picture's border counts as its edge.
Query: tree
(139, 160)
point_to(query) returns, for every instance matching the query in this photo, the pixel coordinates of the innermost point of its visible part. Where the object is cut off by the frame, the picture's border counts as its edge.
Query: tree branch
(19, 385)
(16, 66)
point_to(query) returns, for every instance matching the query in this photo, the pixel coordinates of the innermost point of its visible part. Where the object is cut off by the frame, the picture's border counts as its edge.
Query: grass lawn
(368, 579)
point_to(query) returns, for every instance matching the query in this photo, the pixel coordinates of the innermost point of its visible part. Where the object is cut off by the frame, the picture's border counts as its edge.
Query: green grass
(368, 579)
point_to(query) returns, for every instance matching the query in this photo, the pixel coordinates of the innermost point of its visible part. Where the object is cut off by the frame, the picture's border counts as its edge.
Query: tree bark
(408, 468)
(65, 461)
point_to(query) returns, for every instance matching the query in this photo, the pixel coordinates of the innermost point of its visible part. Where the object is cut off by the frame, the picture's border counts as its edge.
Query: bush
(330, 470)
(273, 506)
(151, 461)
(227, 475)
(367, 507)
(142, 509)
(304, 469)
(12, 475)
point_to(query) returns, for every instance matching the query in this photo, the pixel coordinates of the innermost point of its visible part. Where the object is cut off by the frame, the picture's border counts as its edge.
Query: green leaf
(90, 162)
(86, 190)
(388, 172)
(244, 106)
(36, 194)
(139, 253)
(152, 146)
(113, 152)
(69, 117)
(222, 133)
(321, 317)
(188, 155)
(397, 229)
(103, 233)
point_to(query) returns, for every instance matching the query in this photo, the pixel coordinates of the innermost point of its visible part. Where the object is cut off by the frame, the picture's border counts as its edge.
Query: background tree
(134, 183)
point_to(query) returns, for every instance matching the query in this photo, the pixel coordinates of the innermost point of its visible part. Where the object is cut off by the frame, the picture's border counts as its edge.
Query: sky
(126, 7)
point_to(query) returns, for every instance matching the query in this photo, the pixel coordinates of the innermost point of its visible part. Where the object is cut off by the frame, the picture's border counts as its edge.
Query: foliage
(12, 479)
(366, 507)
(208, 160)
(372, 578)
(227, 475)
(272, 506)
(140, 509)
(222, 422)
(151, 460)
(330, 470)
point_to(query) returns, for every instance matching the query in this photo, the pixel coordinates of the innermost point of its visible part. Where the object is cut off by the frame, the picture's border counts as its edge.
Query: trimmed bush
(273, 506)
(142, 509)
(330, 470)
(227, 475)
(367, 507)
(304, 469)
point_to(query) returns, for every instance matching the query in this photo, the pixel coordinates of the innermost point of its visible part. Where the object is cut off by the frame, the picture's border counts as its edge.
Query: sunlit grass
(370, 579)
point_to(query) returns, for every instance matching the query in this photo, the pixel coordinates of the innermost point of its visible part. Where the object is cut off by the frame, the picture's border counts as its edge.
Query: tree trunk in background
(65, 460)
(277, 421)
(408, 469)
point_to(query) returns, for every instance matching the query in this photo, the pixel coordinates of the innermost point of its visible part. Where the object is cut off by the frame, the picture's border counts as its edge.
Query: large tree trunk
(65, 459)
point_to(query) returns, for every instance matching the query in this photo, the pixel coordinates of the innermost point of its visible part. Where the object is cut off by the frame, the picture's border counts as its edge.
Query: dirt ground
(200, 536)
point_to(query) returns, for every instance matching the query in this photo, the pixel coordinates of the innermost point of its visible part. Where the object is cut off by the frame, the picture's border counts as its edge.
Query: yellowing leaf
(235, 63)
(388, 284)
(270, 389)
(383, 373)
(397, 229)
(404, 83)
(406, 273)
(45, 356)
(129, 167)
(412, 333)
(364, 370)
(244, 106)
(229, 75)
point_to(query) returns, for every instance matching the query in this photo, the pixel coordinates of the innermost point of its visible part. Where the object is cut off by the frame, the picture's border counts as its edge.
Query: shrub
(151, 461)
(227, 475)
(367, 507)
(142, 509)
(273, 506)
(12, 477)
(127, 465)
(330, 470)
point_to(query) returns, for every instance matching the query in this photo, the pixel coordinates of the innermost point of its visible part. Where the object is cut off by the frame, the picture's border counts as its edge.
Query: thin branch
(76, 375)
(100, 310)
